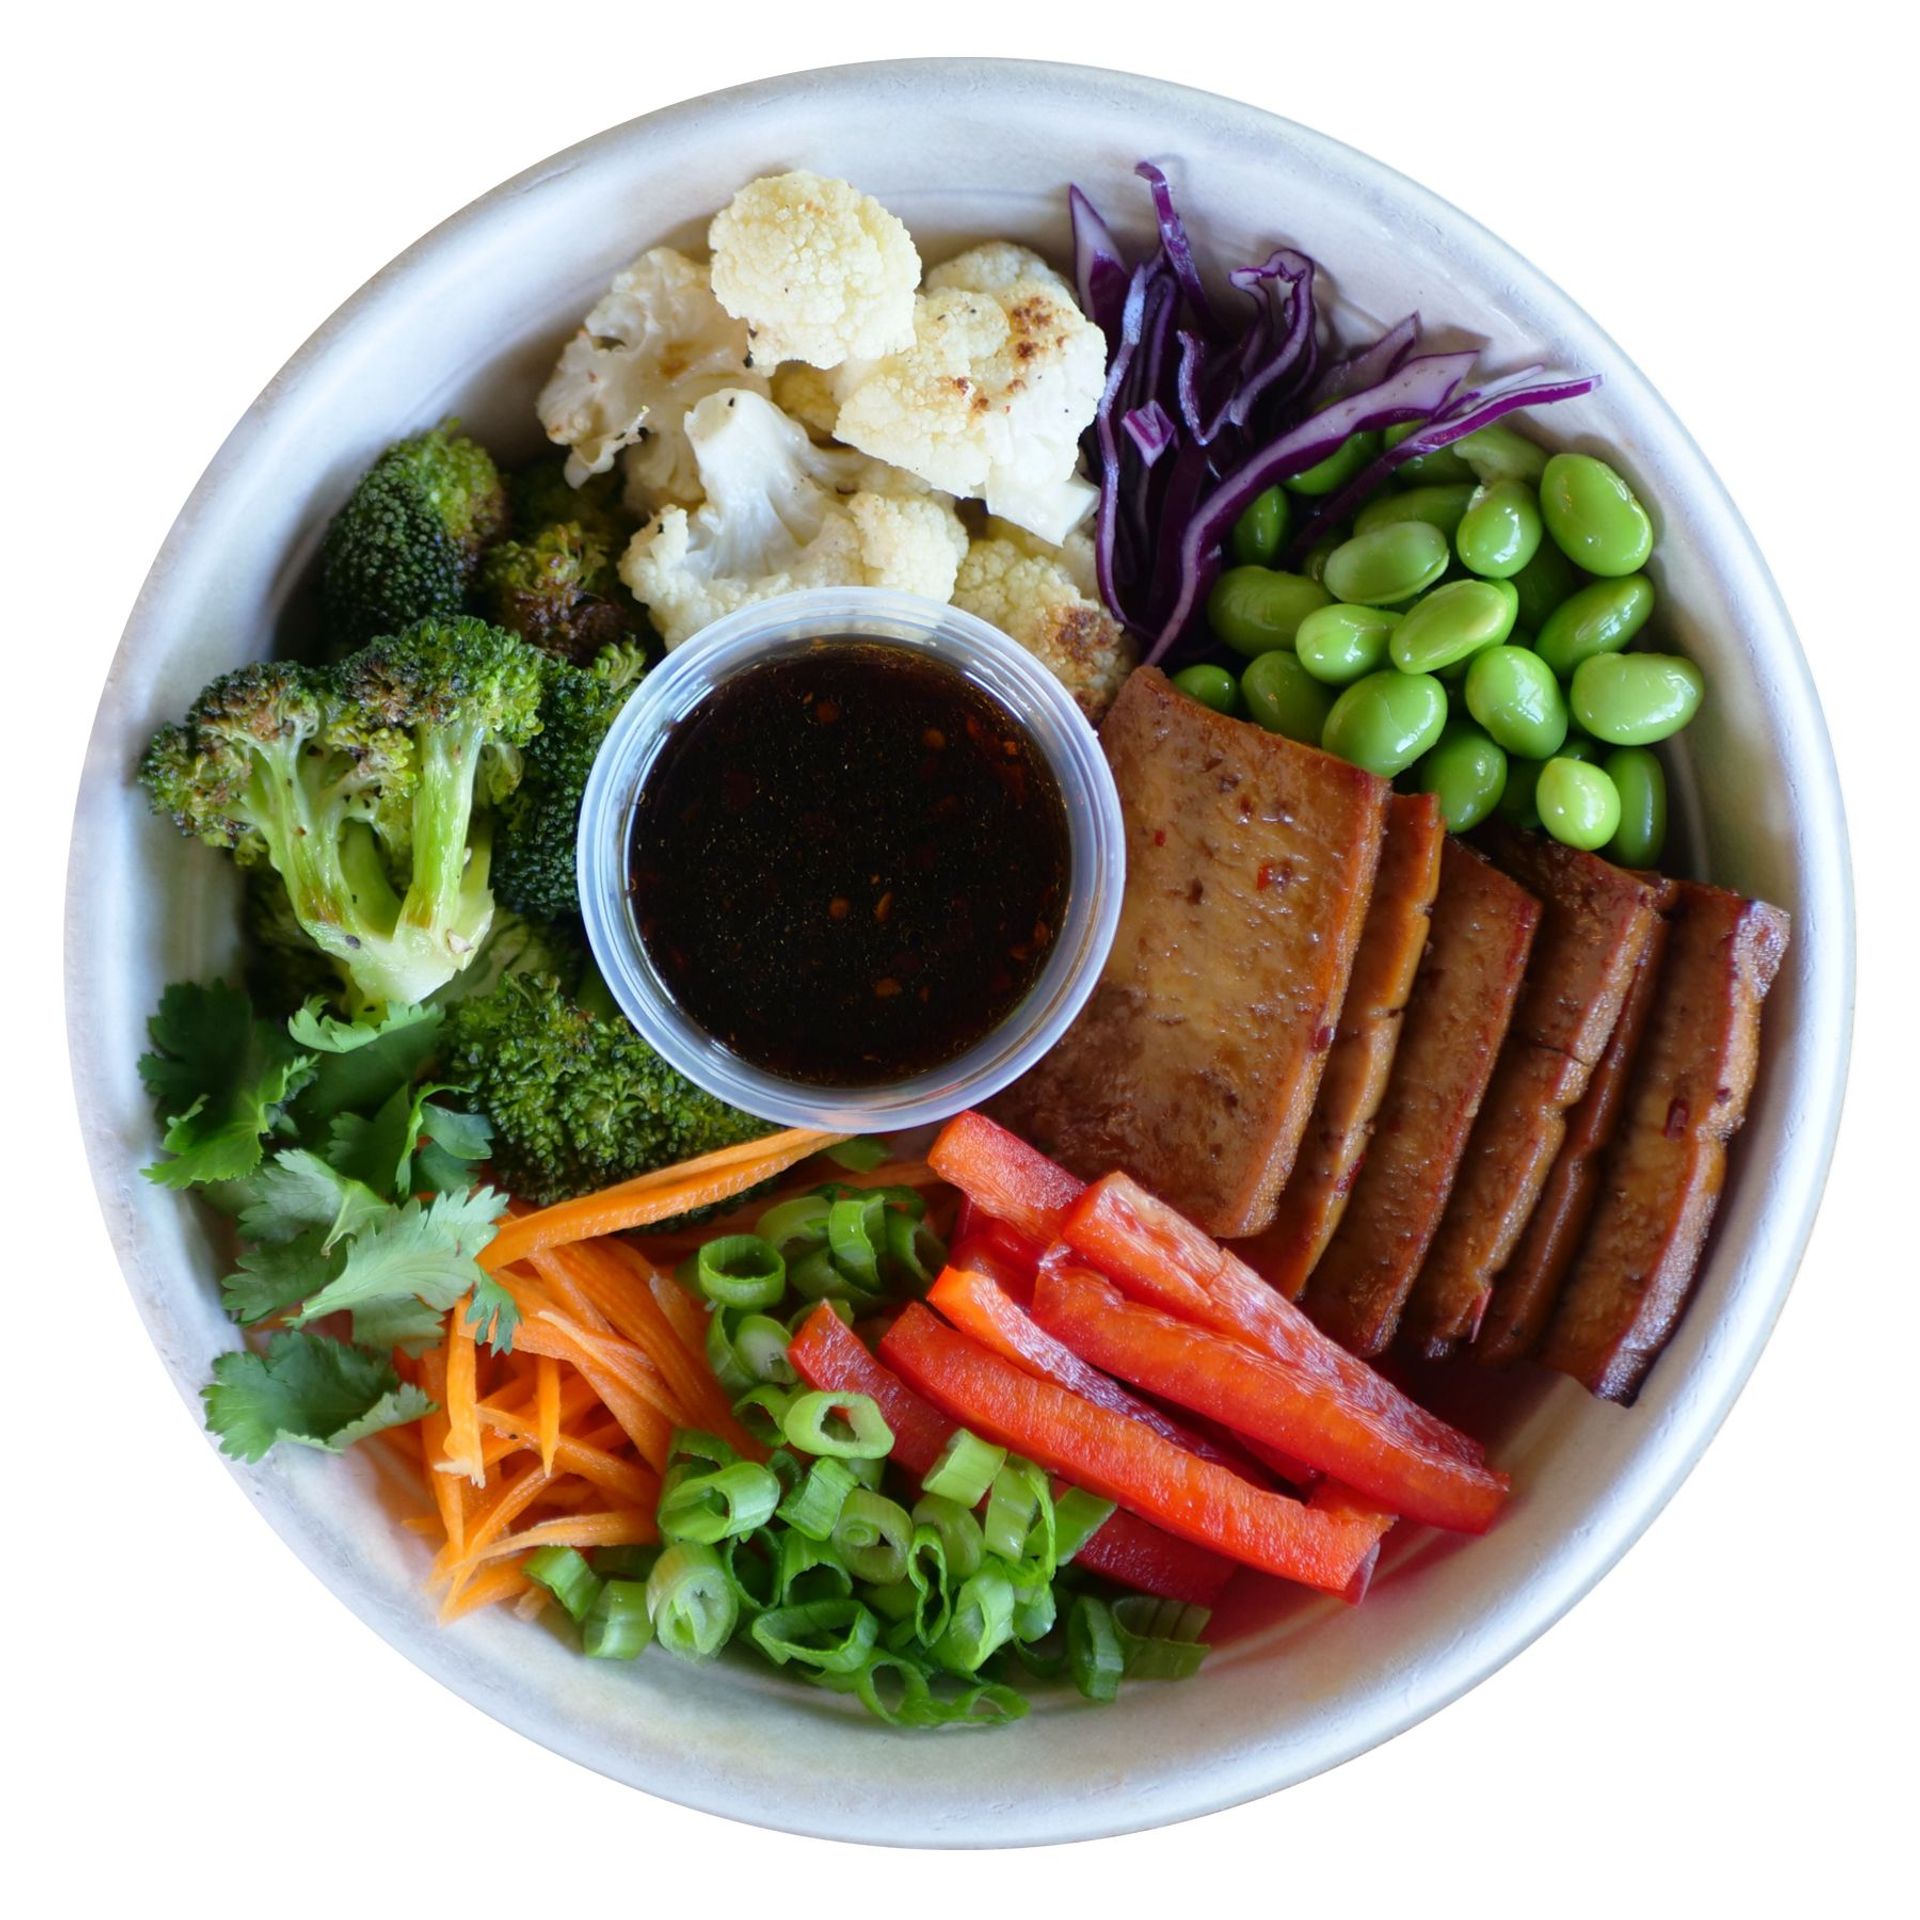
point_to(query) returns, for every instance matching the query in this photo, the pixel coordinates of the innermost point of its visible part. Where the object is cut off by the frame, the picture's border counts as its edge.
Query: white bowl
(467, 322)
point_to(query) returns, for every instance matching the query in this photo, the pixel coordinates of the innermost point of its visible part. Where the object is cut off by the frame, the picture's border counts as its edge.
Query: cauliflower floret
(806, 394)
(990, 400)
(781, 514)
(818, 270)
(1044, 597)
(655, 343)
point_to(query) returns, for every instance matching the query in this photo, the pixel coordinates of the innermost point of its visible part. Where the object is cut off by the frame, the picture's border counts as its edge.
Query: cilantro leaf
(493, 1313)
(297, 1192)
(424, 1253)
(308, 1390)
(273, 1277)
(219, 1080)
(358, 1066)
(383, 1151)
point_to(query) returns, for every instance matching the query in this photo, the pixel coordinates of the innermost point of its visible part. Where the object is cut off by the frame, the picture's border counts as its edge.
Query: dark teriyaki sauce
(849, 864)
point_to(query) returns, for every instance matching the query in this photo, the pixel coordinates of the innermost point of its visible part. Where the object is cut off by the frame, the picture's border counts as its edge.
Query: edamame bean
(1333, 473)
(1388, 565)
(1439, 507)
(1642, 785)
(1543, 583)
(1283, 697)
(1255, 610)
(1513, 694)
(1466, 772)
(1634, 699)
(1498, 453)
(1314, 565)
(1258, 532)
(1386, 721)
(1501, 529)
(1517, 806)
(1593, 515)
(1580, 746)
(1578, 804)
(1452, 622)
(1213, 687)
(1600, 618)
(1443, 467)
(1339, 644)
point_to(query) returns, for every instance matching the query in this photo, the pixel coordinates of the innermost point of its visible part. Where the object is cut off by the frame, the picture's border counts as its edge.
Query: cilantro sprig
(350, 1179)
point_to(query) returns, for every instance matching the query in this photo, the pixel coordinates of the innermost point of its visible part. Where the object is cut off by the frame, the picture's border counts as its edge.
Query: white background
(1725, 1725)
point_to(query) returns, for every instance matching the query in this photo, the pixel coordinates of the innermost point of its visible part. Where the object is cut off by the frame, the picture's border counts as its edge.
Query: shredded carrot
(461, 1453)
(655, 1196)
(507, 1504)
(681, 1311)
(625, 1529)
(587, 1456)
(503, 1580)
(546, 1380)
(449, 1494)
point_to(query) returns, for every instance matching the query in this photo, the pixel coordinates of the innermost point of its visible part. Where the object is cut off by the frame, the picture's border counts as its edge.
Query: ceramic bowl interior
(467, 322)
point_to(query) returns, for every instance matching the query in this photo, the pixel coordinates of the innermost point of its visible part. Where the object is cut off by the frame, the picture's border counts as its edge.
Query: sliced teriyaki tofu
(1595, 920)
(1194, 1066)
(1462, 1003)
(1361, 1058)
(1635, 1270)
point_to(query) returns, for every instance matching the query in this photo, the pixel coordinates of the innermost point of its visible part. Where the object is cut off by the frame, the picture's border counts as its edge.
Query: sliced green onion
(836, 1636)
(965, 1469)
(982, 1622)
(872, 1535)
(897, 1690)
(727, 1365)
(856, 1231)
(1034, 1609)
(914, 1249)
(907, 1200)
(691, 1601)
(861, 1154)
(617, 1626)
(759, 1412)
(564, 1572)
(1045, 1655)
(898, 1602)
(811, 1570)
(1094, 1658)
(812, 1507)
(623, 1563)
(846, 1426)
(693, 1443)
(711, 1507)
(752, 1561)
(867, 1473)
(987, 1703)
(817, 1276)
(1077, 1517)
(795, 1223)
(927, 1582)
(760, 1345)
(741, 1270)
(1159, 1639)
(964, 1544)
(1019, 1523)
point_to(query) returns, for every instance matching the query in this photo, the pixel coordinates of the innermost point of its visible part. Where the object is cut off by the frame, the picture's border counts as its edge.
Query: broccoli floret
(407, 543)
(360, 786)
(558, 589)
(518, 945)
(284, 968)
(577, 1099)
(534, 860)
(540, 496)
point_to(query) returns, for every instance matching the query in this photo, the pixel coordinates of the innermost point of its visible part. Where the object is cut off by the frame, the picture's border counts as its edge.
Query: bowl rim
(1790, 1206)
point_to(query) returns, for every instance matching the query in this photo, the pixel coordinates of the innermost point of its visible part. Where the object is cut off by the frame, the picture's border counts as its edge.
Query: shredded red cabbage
(1203, 410)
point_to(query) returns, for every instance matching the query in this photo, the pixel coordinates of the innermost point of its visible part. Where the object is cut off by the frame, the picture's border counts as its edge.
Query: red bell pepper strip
(1331, 1497)
(1153, 1254)
(827, 1354)
(1123, 1461)
(1004, 1177)
(979, 1254)
(983, 1311)
(1249, 1392)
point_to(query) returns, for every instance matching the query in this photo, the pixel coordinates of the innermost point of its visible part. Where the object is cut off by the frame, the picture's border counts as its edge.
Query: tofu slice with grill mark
(1195, 1064)
(1461, 1006)
(1635, 1270)
(1361, 1059)
(1595, 921)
